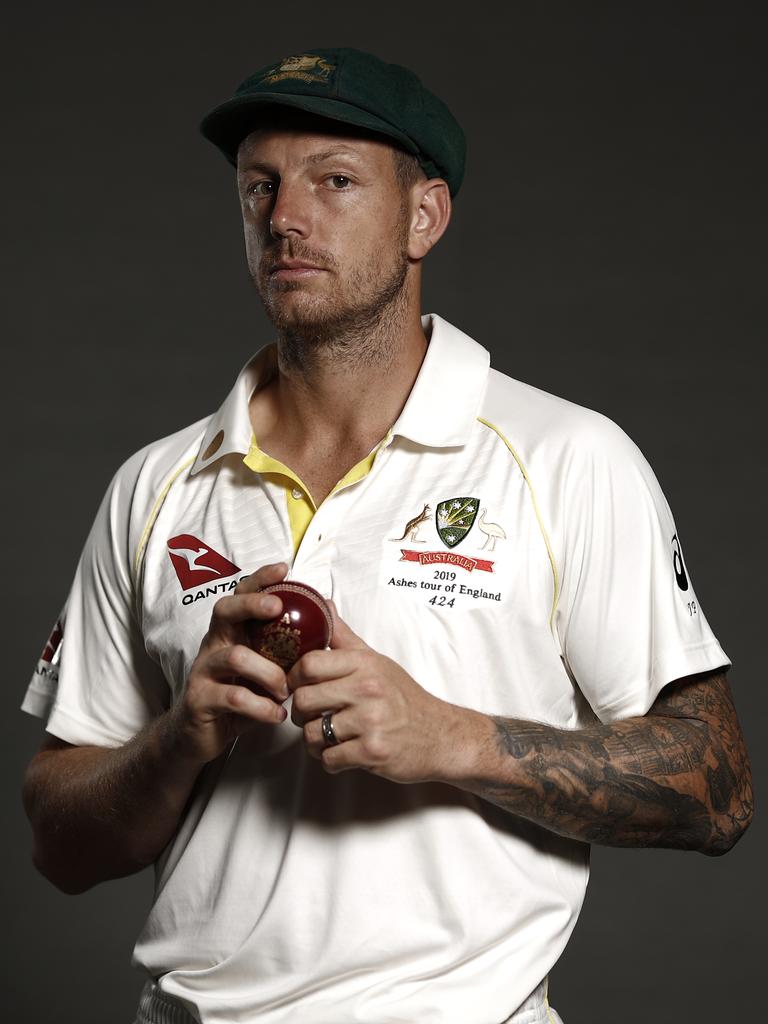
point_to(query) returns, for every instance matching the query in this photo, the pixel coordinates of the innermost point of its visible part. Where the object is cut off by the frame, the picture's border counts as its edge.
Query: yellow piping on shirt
(156, 511)
(546, 1003)
(519, 461)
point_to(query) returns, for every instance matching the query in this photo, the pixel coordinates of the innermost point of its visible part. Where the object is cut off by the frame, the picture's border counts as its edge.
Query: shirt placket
(319, 550)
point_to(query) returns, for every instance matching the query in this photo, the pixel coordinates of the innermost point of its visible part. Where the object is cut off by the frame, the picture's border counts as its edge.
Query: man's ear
(431, 213)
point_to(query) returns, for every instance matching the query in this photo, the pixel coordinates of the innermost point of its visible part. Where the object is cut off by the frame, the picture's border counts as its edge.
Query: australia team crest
(454, 519)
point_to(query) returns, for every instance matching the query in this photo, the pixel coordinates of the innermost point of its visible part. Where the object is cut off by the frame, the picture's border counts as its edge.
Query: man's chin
(300, 314)
(319, 315)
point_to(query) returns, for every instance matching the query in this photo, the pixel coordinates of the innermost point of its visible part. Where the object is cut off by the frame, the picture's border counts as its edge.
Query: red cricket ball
(305, 624)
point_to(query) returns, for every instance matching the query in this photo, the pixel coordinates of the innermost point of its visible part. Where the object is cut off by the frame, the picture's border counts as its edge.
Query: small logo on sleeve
(196, 562)
(53, 643)
(677, 562)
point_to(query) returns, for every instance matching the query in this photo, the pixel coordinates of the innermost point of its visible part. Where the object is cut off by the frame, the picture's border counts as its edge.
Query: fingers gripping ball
(305, 624)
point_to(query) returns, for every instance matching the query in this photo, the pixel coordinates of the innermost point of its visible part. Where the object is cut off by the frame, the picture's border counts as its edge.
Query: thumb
(343, 637)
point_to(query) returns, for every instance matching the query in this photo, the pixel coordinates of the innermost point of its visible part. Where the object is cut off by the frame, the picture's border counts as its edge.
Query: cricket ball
(305, 624)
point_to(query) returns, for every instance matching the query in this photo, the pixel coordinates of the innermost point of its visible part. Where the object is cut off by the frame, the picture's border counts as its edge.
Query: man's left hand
(383, 720)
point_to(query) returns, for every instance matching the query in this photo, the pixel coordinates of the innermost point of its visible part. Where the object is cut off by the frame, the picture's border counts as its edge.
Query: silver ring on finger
(330, 737)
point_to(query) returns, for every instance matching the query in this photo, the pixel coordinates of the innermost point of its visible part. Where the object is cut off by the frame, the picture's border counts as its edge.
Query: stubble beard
(363, 330)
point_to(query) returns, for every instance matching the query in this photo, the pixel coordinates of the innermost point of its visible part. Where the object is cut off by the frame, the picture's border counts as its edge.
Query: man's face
(326, 228)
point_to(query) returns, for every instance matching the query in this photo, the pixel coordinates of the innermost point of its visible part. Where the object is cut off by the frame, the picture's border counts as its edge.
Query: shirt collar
(229, 430)
(445, 399)
(439, 411)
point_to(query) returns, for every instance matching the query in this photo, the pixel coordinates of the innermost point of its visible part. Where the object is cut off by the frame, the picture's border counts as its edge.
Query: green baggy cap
(355, 88)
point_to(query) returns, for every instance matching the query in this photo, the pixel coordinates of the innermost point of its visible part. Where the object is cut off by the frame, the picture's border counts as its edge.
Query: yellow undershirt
(300, 504)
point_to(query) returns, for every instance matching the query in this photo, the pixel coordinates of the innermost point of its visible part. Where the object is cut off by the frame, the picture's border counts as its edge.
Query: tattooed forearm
(677, 777)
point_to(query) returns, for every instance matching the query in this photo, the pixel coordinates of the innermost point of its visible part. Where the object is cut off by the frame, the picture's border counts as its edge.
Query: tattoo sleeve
(677, 777)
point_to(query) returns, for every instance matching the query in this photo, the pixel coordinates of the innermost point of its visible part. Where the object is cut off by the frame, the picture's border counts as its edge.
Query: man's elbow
(59, 880)
(731, 816)
(729, 793)
(73, 875)
(726, 833)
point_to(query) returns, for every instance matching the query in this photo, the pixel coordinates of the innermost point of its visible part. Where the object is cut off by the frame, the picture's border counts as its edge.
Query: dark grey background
(608, 245)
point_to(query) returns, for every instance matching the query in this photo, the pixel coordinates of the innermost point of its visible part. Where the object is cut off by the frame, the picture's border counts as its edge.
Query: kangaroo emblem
(412, 526)
(192, 557)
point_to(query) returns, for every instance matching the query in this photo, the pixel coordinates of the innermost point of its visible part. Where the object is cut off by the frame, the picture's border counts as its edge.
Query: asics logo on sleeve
(677, 562)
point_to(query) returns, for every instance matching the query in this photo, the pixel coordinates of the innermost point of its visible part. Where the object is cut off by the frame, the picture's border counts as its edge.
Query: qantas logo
(52, 645)
(48, 663)
(196, 562)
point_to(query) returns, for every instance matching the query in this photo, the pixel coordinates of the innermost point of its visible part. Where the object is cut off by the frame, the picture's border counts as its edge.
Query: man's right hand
(231, 687)
(104, 812)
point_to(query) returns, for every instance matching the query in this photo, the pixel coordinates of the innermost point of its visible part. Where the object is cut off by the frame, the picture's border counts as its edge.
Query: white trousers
(536, 1009)
(155, 1007)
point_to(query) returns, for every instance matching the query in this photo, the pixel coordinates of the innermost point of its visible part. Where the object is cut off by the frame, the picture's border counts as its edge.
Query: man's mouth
(292, 270)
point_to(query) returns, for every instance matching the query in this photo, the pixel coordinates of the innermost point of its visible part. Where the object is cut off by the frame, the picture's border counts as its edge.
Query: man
(519, 665)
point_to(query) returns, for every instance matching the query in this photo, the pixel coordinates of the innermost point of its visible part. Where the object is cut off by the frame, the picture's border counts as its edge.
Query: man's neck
(339, 396)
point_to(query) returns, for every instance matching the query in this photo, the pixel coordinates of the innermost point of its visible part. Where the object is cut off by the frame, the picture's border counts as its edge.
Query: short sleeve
(95, 683)
(628, 620)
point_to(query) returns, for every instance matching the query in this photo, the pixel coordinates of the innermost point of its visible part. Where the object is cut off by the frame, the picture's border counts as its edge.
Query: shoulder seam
(159, 501)
(537, 511)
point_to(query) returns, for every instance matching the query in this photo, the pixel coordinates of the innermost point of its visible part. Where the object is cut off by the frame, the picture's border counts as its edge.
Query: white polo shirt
(514, 553)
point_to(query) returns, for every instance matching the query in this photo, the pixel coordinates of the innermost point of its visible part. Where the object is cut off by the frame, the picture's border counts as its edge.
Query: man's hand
(676, 777)
(101, 812)
(384, 721)
(230, 686)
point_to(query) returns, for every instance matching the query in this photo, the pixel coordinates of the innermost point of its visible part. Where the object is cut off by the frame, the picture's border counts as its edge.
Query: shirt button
(296, 493)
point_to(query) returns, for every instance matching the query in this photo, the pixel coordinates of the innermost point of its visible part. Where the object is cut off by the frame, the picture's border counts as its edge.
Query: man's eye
(339, 181)
(261, 188)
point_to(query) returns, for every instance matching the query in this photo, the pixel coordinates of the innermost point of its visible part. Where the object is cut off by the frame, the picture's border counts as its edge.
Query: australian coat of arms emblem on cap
(455, 518)
(306, 67)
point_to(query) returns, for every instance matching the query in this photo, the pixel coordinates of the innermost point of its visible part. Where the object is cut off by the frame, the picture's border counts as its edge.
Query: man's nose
(290, 212)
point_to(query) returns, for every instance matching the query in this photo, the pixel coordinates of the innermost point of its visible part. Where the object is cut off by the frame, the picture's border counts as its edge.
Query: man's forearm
(100, 813)
(665, 779)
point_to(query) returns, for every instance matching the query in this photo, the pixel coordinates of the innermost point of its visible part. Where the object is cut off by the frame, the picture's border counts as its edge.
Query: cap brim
(227, 125)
